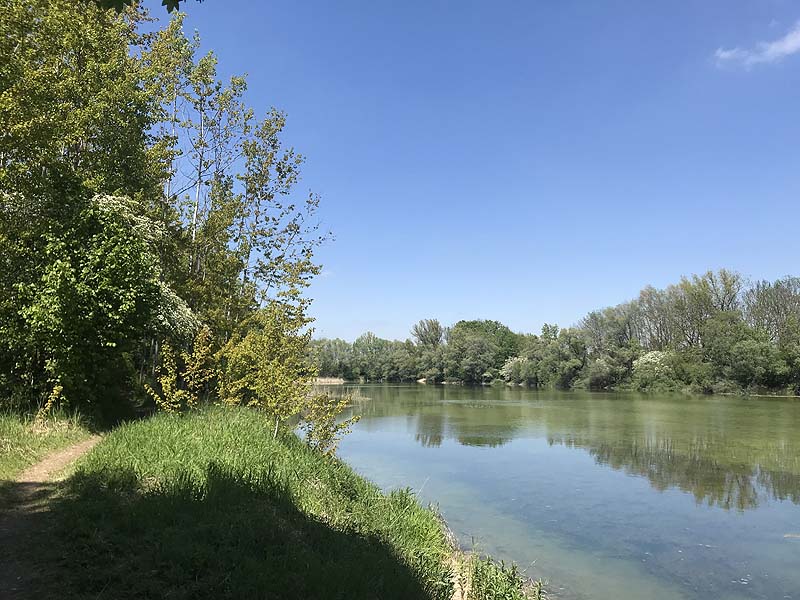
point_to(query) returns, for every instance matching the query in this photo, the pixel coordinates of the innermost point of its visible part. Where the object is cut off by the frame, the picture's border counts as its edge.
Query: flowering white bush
(654, 370)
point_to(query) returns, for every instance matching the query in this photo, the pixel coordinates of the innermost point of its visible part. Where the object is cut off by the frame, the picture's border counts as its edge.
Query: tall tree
(80, 280)
(428, 333)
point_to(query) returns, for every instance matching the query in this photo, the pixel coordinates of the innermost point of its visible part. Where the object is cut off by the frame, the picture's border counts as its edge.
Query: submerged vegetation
(708, 333)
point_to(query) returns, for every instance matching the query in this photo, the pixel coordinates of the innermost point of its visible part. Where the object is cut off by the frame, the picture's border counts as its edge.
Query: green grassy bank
(208, 505)
(25, 440)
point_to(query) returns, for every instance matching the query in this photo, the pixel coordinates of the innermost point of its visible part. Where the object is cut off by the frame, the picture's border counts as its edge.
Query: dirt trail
(25, 501)
(56, 462)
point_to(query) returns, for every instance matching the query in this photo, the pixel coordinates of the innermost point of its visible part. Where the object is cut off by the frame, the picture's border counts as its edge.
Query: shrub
(266, 363)
(655, 371)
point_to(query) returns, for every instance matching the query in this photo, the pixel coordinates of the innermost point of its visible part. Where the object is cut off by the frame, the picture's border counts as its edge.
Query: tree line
(154, 248)
(710, 333)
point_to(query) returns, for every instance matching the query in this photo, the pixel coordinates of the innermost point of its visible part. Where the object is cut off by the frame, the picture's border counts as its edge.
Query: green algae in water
(605, 495)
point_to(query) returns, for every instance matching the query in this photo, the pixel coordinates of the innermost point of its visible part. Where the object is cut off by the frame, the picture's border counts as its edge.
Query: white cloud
(764, 52)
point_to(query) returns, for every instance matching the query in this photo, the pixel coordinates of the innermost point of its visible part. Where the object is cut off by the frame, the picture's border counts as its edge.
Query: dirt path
(56, 462)
(26, 502)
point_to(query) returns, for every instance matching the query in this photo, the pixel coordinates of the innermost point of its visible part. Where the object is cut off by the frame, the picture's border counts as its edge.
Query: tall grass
(209, 505)
(486, 578)
(24, 440)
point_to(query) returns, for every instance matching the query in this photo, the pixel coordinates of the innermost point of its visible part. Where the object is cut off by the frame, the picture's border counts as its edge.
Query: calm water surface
(604, 495)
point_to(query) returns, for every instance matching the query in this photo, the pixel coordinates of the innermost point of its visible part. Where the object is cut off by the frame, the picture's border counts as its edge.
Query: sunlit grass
(488, 579)
(24, 440)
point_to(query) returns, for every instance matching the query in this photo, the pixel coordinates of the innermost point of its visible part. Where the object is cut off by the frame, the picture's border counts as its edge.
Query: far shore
(328, 381)
(340, 381)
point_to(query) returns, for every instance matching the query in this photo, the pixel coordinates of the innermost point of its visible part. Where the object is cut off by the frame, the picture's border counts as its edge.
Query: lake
(618, 496)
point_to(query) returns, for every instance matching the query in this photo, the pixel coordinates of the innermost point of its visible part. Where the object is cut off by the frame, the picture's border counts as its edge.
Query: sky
(526, 161)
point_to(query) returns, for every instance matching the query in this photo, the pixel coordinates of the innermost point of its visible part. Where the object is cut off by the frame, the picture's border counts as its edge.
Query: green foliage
(333, 357)
(184, 381)
(81, 293)
(708, 333)
(200, 368)
(119, 5)
(773, 308)
(431, 364)
(321, 424)
(789, 348)
(476, 350)
(520, 370)
(147, 220)
(561, 355)
(612, 368)
(80, 280)
(473, 350)
(740, 354)
(654, 371)
(696, 374)
(266, 365)
(72, 108)
(369, 354)
(172, 398)
(428, 333)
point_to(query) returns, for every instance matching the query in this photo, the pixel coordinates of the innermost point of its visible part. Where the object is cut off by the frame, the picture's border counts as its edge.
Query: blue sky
(527, 161)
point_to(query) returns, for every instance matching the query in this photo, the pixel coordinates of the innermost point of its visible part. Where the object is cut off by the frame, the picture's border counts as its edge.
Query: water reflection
(606, 495)
(726, 486)
(731, 453)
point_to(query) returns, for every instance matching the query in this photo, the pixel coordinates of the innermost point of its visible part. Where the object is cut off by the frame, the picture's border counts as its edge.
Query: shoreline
(340, 381)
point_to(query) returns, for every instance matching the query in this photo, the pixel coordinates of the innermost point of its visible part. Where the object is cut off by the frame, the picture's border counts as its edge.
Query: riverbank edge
(338, 381)
(473, 577)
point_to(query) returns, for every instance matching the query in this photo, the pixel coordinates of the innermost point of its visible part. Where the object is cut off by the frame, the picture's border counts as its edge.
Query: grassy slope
(24, 441)
(207, 505)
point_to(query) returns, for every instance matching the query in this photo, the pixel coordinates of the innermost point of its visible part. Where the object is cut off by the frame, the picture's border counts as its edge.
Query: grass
(25, 440)
(208, 505)
(488, 579)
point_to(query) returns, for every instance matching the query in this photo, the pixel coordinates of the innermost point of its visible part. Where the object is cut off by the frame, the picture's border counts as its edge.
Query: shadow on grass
(226, 535)
(24, 526)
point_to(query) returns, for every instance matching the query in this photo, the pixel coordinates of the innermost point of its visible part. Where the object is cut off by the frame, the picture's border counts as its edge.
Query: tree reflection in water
(728, 452)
